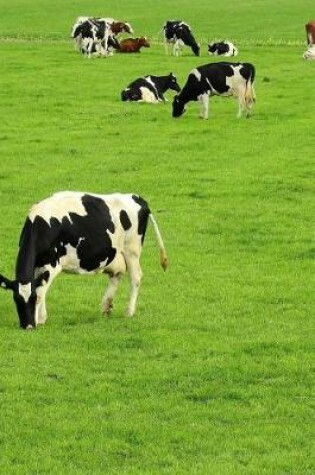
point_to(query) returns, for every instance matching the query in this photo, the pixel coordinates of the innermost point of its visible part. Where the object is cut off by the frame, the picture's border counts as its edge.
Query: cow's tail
(250, 96)
(163, 255)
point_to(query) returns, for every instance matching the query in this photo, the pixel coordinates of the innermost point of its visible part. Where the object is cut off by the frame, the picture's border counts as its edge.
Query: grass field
(214, 374)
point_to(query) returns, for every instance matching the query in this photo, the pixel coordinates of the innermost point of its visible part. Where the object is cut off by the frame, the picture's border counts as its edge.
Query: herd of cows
(86, 233)
(99, 36)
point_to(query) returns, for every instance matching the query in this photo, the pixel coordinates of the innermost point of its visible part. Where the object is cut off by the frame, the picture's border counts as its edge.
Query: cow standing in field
(133, 45)
(310, 33)
(81, 233)
(92, 36)
(178, 33)
(222, 48)
(217, 79)
(150, 88)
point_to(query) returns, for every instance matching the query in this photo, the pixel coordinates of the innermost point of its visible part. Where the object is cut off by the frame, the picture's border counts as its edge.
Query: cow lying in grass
(81, 233)
(222, 48)
(133, 45)
(218, 79)
(150, 88)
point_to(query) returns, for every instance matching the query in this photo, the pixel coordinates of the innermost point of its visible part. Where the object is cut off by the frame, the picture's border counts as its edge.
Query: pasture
(214, 373)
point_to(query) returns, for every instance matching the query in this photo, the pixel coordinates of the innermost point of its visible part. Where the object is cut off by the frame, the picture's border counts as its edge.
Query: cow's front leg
(41, 291)
(204, 106)
(107, 302)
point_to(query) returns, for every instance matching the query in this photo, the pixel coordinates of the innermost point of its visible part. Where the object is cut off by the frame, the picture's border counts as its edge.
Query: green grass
(214, 374)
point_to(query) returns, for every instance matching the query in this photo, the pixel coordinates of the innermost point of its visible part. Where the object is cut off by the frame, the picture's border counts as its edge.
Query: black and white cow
(222, 48)
(150, 88)
(218, 79)
(81, 233)
(92, 35)
(179, 33)
(99, 50)
(114, 28)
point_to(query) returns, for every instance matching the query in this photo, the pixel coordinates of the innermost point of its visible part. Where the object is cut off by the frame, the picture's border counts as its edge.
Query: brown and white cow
(82, 233)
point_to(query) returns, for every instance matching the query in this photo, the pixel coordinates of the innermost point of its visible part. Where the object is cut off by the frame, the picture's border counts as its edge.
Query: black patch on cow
(124, 220)
(143, 215)
(42, 243)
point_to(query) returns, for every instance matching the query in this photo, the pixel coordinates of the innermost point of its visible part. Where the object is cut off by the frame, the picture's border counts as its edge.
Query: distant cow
(222, 48)
(133, 45)
(179, 33)
(217, 79)
(81, 233)
(150, 88)
(114, 28)
(93, 35)
(310, 33)
(310, 53)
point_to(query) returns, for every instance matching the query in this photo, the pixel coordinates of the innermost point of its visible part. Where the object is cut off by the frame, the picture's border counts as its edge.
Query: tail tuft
(163, 256)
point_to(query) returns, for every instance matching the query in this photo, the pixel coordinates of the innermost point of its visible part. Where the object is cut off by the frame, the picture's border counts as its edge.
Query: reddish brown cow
(121, 27)
(310, 32)
(133, 45)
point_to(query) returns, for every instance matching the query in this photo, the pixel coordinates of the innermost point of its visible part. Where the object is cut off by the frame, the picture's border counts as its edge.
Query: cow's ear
(42, 279)
(6, 284)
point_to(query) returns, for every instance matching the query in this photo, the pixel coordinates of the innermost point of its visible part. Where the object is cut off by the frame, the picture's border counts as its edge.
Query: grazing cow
(217, 79)
(81, 233)
(150, 88)
(222, 48)
(133, 45)
(310, 53)
(178, 33)
(310, 33)
(93, 34)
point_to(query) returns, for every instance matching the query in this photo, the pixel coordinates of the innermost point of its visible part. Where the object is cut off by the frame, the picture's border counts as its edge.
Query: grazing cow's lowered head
(25, 297)
(178, 107)
(82, 233)
(222, 48)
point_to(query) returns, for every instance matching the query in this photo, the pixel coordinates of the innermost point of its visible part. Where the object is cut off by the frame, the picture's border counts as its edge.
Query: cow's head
(25, 297)
(196, 49)
(178, 107)
(143, 41)
(212, 48)
(173, 84)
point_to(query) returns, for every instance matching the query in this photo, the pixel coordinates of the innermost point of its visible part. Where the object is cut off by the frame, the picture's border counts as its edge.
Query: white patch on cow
(70, 262)
(58, 206)
(25, 291)
(196, 73)
(309, 53)
(147, 95)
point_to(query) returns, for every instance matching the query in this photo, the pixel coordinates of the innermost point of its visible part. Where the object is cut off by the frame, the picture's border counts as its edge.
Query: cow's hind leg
(135, 274)
(107, 302)
(41, 291)
(204, 109)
